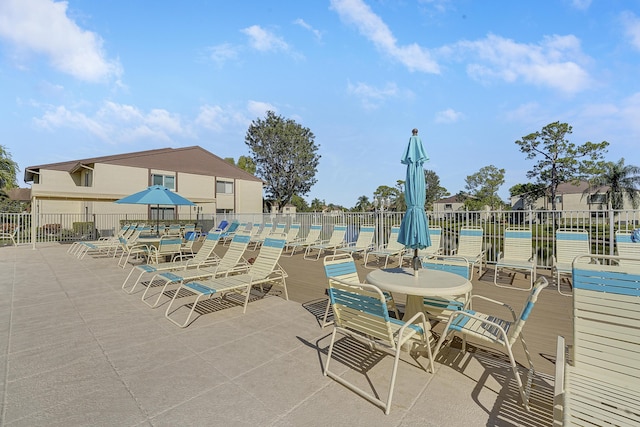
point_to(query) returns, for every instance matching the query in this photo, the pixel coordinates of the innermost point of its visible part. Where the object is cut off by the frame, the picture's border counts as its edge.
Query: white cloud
(114, 123)
(554, 62)
(223, 52)
(259, 109)
(370, 96)
(371, 26)
(581, 4)
(316, 33)
(43, 27)
(263, 40)
(448, 116)
(631, 25)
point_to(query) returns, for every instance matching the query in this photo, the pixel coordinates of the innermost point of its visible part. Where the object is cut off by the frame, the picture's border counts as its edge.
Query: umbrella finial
(414, 131)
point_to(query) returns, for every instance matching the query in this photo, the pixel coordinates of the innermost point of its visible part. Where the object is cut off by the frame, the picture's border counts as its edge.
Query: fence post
(611, 229)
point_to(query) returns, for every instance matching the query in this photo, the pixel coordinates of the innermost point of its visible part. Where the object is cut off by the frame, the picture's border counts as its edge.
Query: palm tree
(622, 180)
(363, 204)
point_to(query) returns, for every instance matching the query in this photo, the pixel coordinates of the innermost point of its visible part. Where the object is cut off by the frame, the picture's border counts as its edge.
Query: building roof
(19, 194)
(194, 159)
(451, 199)
(571, 188)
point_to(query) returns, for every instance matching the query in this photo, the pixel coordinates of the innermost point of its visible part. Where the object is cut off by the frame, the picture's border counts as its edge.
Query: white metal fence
(601, 225)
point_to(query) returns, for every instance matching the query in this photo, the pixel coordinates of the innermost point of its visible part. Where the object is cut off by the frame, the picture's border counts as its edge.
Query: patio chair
(361, 311)
(103, 245)
(228, 235)
(440, 308)
(188, 241)
(343, 267)
(231, 261)
(265, 269)
(292, 233)
(600, 382)
(470, 242)
(169, 245)
(363, 244)
(435, 234)
(495, 330)
(10, 235)
(173, 229)
(203, 257)
(392, 248)
(517, 256)
(335, 241)
(258, 238)
(626, 248)
(313, 237)
(569, 244)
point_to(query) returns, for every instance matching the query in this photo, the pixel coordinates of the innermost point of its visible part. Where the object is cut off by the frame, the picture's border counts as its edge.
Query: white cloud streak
(263, 40)
(43, 27)
(372, 27)
(448, 116)
(631, 26)
(316, 33)
(370, 96)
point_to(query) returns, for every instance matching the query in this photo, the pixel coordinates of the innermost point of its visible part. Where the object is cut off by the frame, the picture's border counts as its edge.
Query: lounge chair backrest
(223, 224)
(365, 237)
(342, 267)
(451, 264)
(174, 229)
(233, 227)
(314, 233)
(279, 229)
(516, 327)
(570, 244)
(362, 308)
(517, 244)
(626, 247)
(232, 257)
(470, 242)
(435, 234)
(267, 259)
(393, 244)
(292, 234)
(169, 244)
(338, 235)
(266, 230)
(205, 251)
(606, 319)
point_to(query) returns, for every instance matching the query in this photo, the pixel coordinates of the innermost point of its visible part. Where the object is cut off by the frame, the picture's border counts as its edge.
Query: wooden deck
(550, 317)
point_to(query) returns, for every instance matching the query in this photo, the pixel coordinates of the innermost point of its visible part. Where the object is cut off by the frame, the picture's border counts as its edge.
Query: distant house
(90, 186)
(288, 209)
(445, 208)
(570, 197)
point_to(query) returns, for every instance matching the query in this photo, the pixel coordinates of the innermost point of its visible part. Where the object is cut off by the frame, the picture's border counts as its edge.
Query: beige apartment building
(91, 186)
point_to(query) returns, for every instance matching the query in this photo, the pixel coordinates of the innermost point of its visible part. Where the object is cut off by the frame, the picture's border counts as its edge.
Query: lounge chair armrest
(513, 313)
(558, 388)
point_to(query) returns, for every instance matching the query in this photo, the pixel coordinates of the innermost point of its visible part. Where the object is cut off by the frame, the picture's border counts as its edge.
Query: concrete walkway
(75, 350)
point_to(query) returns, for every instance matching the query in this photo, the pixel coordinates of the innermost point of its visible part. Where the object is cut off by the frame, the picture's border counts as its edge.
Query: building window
(599, 199)
(224, 211)
(224, 187)
(558, 199)
(168, 181)
(87, 178)
(448, 206)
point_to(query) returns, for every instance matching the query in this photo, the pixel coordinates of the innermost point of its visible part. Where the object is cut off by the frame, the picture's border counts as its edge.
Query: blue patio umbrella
(414, 229)
(156, 195)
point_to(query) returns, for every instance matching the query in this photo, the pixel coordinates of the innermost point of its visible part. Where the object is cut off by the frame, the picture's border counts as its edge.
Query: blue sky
(87, 78)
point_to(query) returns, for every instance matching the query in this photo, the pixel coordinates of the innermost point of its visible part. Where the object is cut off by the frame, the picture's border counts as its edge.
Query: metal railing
(601, 225)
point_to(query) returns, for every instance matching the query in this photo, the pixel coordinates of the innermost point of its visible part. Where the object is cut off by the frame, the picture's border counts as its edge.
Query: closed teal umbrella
(414, 230)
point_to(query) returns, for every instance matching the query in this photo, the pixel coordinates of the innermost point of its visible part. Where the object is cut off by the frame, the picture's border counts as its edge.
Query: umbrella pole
(416, 264)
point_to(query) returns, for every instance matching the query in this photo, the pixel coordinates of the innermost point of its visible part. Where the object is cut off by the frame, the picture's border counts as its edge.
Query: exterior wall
(251, 200)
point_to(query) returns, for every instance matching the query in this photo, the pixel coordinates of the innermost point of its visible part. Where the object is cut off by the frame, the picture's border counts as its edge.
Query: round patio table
(427, 283)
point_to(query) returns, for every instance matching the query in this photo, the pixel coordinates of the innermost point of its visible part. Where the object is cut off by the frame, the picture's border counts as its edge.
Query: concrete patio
(76, 350)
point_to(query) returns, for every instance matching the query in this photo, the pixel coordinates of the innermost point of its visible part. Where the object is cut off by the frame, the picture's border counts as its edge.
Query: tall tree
(247, 164)
(622, 180)
(230, 160)
(8, 171)
(285, 156)
(363, 204)
(300, 203)
(317, 205)
(390, 193)
(434, 190)
(484, 185)
(560, 160)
